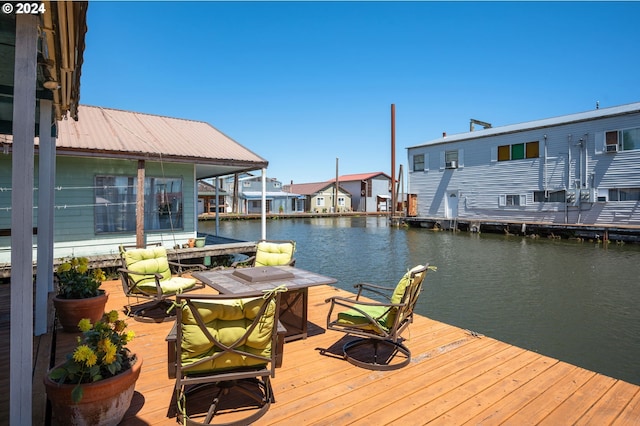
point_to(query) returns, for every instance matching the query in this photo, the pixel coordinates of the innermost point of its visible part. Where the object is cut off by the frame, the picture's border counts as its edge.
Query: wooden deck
(454, 378)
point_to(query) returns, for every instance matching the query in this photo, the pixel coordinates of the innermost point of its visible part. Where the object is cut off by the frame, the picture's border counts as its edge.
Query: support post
(264, 205)
(24, 111)
(46, 197)
(393, 160)
(140, 206)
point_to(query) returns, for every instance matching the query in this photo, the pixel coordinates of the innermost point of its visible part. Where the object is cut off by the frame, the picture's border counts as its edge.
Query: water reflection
(573, 301)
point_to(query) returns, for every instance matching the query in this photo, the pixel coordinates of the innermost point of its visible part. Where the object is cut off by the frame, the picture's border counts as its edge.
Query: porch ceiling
(59, 64)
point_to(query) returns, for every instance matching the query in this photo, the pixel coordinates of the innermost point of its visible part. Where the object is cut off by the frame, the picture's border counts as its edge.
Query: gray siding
(480, 182)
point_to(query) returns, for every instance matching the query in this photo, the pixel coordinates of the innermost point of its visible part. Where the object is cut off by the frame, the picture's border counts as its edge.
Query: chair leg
(258, 391)
(395, 349)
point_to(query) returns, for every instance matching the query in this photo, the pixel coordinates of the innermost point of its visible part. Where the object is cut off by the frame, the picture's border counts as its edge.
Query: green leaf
(58, 373)
(77, 393)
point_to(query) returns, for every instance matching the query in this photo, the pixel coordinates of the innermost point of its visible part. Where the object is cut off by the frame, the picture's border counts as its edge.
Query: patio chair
(271, 253)
(146, 274)
(378, 324)
(226, 355)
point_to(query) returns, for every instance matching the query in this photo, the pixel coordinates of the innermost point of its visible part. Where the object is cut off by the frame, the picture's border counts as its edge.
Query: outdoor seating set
(224, 348)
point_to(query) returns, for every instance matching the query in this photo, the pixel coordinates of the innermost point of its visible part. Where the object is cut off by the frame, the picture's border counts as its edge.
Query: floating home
(578, 171)
(100, 159)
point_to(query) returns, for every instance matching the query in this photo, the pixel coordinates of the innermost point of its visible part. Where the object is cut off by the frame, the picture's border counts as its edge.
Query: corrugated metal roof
(548, 122)
(111, 133)
(359, 176)
(126, 132)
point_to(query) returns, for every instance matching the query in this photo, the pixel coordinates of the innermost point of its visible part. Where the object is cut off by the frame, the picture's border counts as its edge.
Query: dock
(456, 377)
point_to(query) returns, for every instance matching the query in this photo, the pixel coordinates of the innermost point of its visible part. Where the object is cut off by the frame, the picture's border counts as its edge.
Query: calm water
(578, 302)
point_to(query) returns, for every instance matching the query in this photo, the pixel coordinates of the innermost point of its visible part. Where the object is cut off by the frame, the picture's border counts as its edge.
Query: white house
(581, 168)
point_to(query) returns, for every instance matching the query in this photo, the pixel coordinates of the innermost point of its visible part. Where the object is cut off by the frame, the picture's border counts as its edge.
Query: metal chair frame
(253, 382)
(374, 331)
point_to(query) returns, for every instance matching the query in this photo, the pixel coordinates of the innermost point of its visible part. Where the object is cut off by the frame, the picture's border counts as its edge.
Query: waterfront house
(370, 192)
(318, 197)
(250, 195)
(99, 160)
(207, 198)
(581, 168)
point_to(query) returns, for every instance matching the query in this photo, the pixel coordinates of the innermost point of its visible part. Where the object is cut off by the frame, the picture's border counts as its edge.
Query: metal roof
(311, 188)
(537, 124)
(112, 133)
(360, 176)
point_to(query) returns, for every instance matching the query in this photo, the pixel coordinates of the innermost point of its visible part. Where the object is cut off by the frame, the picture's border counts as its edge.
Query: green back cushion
(383, 315)
(274, 254)
(227, 321)
(149, 261)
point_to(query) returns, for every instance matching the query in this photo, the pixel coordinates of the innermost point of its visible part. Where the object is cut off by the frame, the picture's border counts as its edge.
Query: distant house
(277, 200)
(370, 192)
(581, 168)
(99, 161)
(207, 198)
(318, 197)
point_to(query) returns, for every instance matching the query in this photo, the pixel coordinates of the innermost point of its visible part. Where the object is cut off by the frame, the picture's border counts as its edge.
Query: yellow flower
(129, 336)
(109, 352)
(84, 353)
(64, 267)
(84, 325)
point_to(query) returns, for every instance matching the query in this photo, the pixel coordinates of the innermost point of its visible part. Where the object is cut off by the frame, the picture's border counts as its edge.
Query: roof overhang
(61, 45)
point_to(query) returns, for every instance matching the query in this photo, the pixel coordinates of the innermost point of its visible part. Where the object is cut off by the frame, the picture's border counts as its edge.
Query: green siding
(75, 199)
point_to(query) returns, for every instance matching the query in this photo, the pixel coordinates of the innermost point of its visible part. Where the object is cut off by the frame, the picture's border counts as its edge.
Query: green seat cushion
(354, 318)
(274, 254)
(171, 286)
(227, 321)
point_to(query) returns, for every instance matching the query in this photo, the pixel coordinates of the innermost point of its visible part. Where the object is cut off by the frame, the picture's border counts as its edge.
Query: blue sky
(304, 83)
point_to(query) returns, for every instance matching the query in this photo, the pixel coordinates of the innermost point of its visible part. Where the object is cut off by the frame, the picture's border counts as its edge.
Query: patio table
(293, 303)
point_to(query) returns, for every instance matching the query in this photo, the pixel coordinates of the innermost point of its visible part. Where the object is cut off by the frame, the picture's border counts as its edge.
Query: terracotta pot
(71, 311)
(104, 403)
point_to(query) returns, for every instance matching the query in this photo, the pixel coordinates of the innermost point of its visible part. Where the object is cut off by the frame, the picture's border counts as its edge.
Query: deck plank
(454, 378)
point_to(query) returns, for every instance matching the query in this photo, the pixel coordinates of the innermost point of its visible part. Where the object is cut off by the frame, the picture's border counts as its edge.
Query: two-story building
(580, 168)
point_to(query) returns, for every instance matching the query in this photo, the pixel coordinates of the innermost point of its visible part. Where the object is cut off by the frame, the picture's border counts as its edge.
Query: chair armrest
(373, 288)
(181, 268)
(131, 284)
(243, 262)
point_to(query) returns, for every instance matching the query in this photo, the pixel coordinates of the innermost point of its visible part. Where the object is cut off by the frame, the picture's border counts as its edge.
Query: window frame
(163, 210)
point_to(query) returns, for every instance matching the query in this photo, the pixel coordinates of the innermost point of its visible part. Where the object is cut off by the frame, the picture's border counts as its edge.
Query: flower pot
(71, 311)
(104, 402)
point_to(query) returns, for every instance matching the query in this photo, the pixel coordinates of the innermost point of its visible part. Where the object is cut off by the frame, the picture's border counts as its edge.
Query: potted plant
(95, 385)
(79, 294)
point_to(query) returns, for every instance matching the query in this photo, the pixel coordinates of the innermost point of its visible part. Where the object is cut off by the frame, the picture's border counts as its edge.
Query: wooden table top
(250, 280)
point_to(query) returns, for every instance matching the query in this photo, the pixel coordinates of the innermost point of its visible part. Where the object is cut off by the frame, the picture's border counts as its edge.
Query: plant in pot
(79, 294)
(95, 385)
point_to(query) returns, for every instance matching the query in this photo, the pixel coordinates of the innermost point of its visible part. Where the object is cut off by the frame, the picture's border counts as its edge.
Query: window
(624, 140)
(519, 151)
(510, 200)
(246, 184)
(319, 201)
(418, 162)
(624, 194)
(341, 201)
(513, 200)
(277, 184)
(115, 209)
(504, 153)
(450, 156)
(550, 197)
